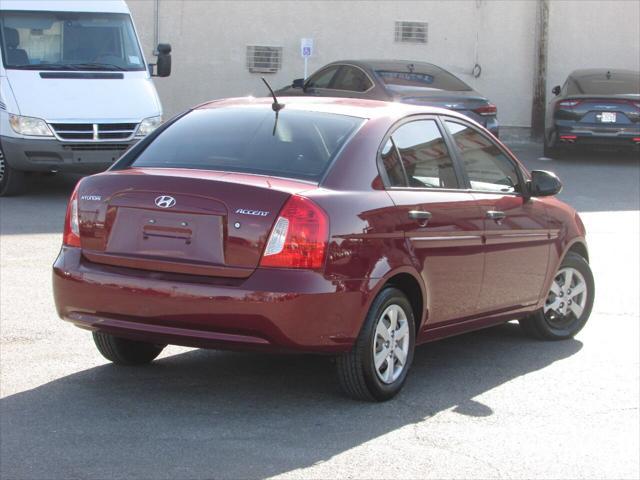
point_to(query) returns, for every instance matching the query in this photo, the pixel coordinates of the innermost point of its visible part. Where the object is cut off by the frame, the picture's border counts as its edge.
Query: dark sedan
(595, 107)
(416, 83)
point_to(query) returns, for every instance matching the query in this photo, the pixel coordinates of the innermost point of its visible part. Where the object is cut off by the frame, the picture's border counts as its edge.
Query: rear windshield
(435, 78)
(613, 83)
(243, 140)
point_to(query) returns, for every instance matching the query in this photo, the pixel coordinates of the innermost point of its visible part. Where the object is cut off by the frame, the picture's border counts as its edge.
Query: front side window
(487, 167)
(243, 140)
(352, 79)
(69, 41)
(323, 78)
(426, 162)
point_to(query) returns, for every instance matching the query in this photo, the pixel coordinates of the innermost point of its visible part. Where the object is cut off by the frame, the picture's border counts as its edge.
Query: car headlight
(30, 126)
(148, 125)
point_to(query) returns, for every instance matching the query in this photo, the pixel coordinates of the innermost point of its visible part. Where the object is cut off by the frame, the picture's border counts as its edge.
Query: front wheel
(11, 180)
(376, 367)
(126, 352)
(568, 303)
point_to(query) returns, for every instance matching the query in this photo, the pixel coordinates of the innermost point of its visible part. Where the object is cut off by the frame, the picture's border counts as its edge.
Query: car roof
(354, 107)
(381, 64)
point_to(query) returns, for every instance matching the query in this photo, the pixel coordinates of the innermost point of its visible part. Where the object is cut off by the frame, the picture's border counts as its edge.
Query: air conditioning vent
(262, 59)
(411, 32)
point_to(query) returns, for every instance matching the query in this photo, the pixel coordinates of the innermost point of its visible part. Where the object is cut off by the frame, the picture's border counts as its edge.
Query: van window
(69, 41)
(243, 140)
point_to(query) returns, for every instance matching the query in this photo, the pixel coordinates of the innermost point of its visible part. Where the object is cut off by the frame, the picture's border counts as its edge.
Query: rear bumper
(272, 310)
(38, 155)
(622, 137)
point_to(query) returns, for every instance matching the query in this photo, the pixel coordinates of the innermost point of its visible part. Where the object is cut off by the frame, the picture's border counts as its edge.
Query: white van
(75, 90)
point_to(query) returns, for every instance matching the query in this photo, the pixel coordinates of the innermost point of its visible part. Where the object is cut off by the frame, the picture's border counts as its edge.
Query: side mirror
(298, 83)
(544, 184)
(163, 64)
(556, 90)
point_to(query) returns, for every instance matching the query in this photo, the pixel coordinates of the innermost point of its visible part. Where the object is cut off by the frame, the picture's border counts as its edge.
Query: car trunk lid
(182, 221)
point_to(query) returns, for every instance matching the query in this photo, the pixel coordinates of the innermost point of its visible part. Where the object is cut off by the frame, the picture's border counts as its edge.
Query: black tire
(11, 180)
(540, 326)
(122, 351)
(356, 369)
(550, 150)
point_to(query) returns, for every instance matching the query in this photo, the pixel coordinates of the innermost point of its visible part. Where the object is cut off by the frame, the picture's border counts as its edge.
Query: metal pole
(305, 66)
(539, 102)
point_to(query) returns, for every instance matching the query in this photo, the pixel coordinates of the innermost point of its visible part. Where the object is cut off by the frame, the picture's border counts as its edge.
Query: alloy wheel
(391, 344)
(567, 298)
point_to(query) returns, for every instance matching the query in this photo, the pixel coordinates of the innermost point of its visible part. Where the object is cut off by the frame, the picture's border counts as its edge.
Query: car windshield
(609, 83)
(243, 139)
(435, 78)
(69, 41)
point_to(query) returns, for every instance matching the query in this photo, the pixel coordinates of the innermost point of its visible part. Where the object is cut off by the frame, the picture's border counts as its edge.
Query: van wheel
(126, 352)
(376, 367)
(568, 304)
(11, 180)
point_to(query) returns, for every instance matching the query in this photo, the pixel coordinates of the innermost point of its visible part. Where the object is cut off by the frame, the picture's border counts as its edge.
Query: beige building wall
(209, 40)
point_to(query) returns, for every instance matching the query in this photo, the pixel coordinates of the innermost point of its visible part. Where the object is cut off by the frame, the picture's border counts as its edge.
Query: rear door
(517, 237)
(443, 224)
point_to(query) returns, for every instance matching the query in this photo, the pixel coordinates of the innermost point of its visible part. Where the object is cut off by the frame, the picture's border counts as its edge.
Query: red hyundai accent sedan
(349, 227)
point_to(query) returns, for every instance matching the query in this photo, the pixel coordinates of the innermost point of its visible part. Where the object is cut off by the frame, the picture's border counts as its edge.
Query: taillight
(567, 104)
(299, 237)
(635, 104)
(71, 235)
(487, 110)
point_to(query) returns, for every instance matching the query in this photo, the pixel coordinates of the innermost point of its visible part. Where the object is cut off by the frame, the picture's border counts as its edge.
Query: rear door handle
(421, 216)
(496, 215)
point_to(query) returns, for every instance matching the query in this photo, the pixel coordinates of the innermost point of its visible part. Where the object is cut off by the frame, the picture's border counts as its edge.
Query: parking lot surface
(490, 404)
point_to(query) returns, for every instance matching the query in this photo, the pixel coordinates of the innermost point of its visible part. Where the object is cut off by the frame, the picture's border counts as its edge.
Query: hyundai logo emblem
(165, 201)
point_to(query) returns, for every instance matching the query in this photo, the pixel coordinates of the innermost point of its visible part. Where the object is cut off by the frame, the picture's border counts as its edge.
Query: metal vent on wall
(411, 32)
(262, 59)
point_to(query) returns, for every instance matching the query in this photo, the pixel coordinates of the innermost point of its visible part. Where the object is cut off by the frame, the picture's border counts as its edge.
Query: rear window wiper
(99, 66)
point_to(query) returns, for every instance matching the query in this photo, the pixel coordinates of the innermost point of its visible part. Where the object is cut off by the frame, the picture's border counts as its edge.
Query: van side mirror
(556, 90)
(163, 64)
(298, 83)
(544, 184)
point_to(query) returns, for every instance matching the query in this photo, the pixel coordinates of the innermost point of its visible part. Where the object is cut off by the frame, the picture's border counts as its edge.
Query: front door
(517, 240)
(442, 224)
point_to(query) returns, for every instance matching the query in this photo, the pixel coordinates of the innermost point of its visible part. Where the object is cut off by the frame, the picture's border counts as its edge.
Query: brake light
(567, 104)
(71, 235)
(635, 104)
(486, 110)
(299, 237)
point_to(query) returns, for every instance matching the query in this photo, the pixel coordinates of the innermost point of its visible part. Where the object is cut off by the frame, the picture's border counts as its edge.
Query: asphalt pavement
(490, 404)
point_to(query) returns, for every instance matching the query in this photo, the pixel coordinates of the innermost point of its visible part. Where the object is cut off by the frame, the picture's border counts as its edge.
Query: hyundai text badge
(165, 201)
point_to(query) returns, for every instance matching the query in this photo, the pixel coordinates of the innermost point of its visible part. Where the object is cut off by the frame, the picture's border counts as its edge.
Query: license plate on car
(608, 117)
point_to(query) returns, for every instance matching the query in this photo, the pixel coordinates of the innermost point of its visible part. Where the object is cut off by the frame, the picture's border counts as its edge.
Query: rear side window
(243, 140)
(425, 160)
(323, 78)
(352, 79)
(487, 167)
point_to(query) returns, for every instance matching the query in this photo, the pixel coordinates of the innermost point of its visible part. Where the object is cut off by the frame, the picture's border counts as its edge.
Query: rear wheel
(126, 352)
(11, 180)
(568, 304)
(550, 149)
(376, 368)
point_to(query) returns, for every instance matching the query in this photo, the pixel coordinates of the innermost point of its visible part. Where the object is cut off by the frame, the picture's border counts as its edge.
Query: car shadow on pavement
(206, 414)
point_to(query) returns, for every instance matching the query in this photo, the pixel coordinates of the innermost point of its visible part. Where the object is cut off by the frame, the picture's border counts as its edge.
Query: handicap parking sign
(306, 47)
